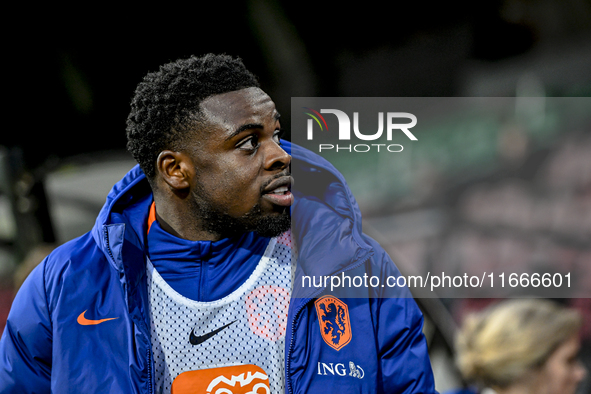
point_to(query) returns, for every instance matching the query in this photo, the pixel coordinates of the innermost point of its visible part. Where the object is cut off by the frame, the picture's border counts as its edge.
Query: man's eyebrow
(249, 126)
(244, 127)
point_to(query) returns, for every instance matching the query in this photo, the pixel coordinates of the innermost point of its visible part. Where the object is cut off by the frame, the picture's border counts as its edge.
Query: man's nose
(276, 158)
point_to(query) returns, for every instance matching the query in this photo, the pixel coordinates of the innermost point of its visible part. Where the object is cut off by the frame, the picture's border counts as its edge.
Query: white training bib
(232, 345)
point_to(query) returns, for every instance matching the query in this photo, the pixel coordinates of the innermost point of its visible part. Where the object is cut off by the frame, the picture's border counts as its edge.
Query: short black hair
(167, 103)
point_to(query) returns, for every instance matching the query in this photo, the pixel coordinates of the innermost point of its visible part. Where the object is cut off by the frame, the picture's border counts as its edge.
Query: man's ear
(175, 168)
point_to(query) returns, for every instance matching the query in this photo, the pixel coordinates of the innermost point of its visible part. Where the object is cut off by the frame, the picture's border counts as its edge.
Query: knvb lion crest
(333, 317)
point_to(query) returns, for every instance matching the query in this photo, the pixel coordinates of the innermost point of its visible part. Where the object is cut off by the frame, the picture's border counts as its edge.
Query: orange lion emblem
(333, 317)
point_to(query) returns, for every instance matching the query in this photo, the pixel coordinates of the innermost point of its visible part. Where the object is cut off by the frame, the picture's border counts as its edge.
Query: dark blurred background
(71, 72)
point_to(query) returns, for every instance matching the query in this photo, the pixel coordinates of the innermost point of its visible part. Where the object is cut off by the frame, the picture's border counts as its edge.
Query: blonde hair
(499, 346)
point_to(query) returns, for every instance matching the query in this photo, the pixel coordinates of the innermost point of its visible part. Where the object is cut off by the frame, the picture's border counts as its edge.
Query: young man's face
(242, 178)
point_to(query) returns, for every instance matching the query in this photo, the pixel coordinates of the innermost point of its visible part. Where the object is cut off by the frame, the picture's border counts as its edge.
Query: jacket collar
(326, 220)
(126, 208)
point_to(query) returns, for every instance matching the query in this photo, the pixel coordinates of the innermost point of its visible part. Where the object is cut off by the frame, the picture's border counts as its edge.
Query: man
(186, 282)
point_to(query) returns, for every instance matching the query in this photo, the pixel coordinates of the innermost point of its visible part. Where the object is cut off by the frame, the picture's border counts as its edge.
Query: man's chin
(265, 225)
(273, 226)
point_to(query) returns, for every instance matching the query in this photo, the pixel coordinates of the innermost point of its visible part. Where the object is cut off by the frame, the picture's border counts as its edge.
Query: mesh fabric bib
(232, 345)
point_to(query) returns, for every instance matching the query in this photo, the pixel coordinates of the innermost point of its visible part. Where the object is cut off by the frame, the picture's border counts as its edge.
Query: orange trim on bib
(237, 379)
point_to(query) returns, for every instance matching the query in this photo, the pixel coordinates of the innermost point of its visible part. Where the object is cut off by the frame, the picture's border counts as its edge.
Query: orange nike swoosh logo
(86, 322)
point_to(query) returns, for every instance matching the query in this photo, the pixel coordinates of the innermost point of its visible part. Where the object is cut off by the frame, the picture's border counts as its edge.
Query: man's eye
(249, 143)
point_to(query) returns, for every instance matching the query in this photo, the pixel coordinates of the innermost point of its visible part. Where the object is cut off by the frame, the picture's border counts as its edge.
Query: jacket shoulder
(81, 251)
(381, 261)
(76, 263)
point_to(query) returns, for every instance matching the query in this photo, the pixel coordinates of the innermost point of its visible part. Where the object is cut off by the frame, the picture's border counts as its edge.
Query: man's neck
(177, 220)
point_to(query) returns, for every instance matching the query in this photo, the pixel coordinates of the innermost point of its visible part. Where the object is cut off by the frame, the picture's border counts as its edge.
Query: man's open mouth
(279, 185)
(278, 192)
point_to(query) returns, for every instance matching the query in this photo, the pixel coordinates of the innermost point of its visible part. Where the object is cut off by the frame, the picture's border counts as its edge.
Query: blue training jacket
(103, 274)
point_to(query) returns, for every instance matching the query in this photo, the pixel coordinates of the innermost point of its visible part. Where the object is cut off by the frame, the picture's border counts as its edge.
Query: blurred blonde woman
(522, 347)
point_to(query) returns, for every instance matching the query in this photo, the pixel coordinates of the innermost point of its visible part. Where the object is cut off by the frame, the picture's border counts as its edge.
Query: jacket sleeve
(26, 344)
(404, 357)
